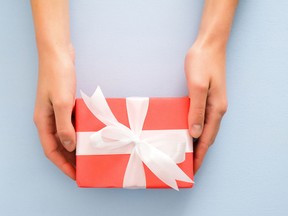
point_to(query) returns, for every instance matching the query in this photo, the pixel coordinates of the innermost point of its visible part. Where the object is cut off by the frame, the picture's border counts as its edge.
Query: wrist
(206, 52)
(54, 51)
(211, 42)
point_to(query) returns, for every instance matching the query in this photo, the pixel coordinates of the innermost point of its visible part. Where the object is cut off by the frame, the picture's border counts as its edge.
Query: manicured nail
(196, 129)
(67, 142)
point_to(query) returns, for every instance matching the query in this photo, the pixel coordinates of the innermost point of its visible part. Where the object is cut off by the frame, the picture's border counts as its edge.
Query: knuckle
(36, 118)
(47, 154)
(212, 141)
(187, 58)
(50, 154)
(63, 133)
(200, 86)
(62, 103)
(190, 55)
(222, 107)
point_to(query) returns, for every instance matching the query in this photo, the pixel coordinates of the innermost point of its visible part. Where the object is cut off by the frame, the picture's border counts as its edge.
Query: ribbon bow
(159, 152)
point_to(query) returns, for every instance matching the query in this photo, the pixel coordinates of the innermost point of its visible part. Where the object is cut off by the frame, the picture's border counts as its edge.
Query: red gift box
(108, 146)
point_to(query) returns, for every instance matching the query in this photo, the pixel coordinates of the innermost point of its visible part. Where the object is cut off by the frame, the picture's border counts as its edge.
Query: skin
(204, 69)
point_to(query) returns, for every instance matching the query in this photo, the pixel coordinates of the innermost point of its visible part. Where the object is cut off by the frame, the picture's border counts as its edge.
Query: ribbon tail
(162, 165)
(134, 176)
(172, 144)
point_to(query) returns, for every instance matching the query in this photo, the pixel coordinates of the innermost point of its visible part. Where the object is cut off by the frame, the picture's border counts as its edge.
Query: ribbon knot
(136, 141)
(160, 152)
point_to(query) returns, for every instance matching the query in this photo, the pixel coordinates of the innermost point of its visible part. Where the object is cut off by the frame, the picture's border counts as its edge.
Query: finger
(69, 156)
(198, 97)
(51, 146)
(211, 128)
(65, 129)
(53, 153)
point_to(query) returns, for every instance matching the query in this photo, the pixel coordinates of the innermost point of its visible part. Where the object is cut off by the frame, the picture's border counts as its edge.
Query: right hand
(53, 108)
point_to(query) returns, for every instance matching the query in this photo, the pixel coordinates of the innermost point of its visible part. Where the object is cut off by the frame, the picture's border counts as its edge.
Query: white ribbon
(159, 152)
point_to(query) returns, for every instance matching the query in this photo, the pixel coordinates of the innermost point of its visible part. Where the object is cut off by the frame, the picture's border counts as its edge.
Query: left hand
(205, 73)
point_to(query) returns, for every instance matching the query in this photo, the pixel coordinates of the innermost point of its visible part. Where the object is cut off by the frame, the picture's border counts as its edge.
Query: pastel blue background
(120, 42)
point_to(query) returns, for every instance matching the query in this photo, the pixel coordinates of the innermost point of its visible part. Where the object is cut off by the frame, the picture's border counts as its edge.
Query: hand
(53, 108)
(205, 73)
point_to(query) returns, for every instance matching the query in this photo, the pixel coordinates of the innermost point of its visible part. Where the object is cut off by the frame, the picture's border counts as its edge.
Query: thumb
(198, 97)
(64, 126)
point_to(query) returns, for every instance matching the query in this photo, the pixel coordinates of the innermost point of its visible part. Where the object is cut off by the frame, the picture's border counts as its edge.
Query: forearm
(51, 21)
(216, 23)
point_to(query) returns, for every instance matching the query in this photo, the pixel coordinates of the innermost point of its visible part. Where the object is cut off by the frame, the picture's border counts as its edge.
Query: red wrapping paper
(107, 171)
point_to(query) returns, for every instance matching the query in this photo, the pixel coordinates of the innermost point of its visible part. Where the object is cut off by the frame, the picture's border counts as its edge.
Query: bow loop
(137, 109)
(111, 137)
(98, 106)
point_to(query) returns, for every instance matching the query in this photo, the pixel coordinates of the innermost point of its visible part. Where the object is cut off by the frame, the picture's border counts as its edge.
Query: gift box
(133, 142)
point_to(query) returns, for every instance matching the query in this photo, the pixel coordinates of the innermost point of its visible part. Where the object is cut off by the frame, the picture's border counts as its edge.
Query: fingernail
(67, 142)
(196, 129)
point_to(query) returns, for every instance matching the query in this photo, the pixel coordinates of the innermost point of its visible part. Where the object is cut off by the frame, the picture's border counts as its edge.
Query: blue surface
(245, 172)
